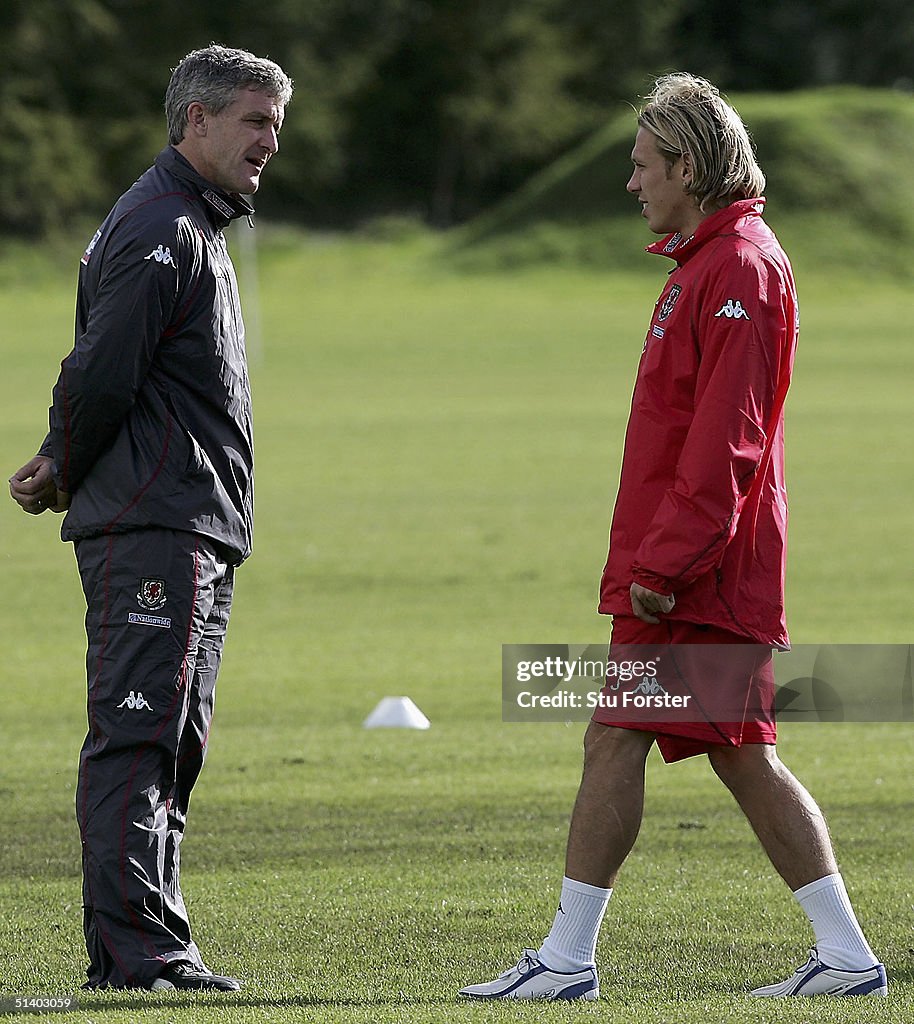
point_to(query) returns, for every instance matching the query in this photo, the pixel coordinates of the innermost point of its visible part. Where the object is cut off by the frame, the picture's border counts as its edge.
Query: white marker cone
(396, 713)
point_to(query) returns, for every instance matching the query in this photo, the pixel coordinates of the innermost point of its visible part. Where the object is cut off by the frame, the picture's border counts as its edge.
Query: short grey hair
(212, 76)
(689, 115)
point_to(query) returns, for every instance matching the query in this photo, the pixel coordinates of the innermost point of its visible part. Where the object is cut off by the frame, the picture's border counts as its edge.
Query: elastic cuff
(810, 888)
(573, 885)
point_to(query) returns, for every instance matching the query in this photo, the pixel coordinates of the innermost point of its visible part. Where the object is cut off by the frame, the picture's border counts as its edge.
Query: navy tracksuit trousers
(158, 604)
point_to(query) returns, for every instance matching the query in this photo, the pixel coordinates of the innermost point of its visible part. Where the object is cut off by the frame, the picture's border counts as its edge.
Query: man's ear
(687, 169)
(196, 118)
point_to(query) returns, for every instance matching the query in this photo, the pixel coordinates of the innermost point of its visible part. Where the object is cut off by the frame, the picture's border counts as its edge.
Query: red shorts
(696, 687)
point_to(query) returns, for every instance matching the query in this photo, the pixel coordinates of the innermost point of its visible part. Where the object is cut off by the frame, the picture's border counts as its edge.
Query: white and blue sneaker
(530, 978)
(817, 979)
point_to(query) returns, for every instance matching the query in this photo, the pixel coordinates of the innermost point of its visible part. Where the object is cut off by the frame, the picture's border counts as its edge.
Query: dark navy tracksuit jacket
(151, 421)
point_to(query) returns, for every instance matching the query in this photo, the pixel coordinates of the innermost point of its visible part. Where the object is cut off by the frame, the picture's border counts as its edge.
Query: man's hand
(647, 604)
(34, 489)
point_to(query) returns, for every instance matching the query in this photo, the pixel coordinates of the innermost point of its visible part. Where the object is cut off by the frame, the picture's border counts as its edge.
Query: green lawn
(438, 455)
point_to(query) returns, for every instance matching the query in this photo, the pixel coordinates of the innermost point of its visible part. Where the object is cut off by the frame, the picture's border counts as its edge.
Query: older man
(150, 453)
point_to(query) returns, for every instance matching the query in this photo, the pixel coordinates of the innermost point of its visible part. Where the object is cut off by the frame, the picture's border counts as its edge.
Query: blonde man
(697, 554)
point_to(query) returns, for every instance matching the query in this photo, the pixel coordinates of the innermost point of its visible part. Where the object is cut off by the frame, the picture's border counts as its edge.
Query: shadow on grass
(231, 1002)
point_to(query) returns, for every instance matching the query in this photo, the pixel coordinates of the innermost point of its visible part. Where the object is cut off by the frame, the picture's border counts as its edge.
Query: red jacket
(701, 511)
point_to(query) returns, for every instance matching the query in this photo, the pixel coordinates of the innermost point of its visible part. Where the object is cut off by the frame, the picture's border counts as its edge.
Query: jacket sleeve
(744, 327)
(126, 312)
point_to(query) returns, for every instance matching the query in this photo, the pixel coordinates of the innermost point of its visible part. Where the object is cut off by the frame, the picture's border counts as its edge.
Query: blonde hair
(688, 115)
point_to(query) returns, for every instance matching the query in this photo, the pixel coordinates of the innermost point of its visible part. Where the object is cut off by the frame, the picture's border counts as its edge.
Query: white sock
(572, 943)
(839, 938)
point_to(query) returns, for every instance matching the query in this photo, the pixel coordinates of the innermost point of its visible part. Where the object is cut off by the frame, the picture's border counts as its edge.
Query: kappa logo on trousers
(135, 702)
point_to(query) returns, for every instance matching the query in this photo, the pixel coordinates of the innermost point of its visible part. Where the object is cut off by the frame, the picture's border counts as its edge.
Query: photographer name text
(599, 699)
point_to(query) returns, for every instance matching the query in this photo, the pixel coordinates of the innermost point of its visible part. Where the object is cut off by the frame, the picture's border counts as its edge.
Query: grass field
(438, 455)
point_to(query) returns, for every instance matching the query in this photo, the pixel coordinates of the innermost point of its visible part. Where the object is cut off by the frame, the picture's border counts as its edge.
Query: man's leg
(148, 593)
(604, 825)
(193, 745)
(793, 832)
(607, 812)
(786, 819)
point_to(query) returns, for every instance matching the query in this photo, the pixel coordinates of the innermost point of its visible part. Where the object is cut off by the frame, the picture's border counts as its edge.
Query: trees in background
(429, 107)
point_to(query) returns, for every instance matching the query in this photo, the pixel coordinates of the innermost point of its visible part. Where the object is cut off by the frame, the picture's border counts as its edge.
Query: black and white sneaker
(182, 975)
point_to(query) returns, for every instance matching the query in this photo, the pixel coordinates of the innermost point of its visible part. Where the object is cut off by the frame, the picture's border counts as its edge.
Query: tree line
(431, 108)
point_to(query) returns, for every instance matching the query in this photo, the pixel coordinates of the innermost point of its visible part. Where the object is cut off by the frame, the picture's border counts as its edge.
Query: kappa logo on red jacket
(732, 309)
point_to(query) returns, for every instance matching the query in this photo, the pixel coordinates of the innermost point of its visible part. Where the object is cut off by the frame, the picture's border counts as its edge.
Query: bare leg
(610, 803)
(786, 819)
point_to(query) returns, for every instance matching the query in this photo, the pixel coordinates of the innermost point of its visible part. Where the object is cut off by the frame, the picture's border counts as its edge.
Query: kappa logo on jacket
(162, 255)
(732, 309)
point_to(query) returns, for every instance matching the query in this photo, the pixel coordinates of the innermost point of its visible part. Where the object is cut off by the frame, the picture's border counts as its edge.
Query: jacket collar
(221, 207)
(682, 249)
